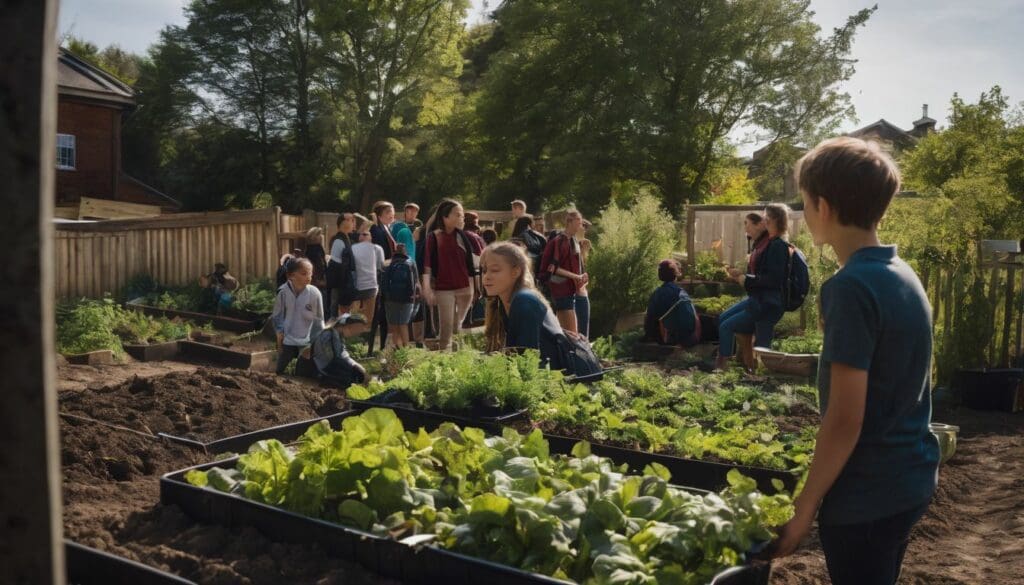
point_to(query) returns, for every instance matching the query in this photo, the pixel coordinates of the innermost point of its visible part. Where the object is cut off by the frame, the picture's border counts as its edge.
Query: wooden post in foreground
(31, 544)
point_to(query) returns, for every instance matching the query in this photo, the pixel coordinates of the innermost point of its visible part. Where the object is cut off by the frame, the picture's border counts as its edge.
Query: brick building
(90, 107)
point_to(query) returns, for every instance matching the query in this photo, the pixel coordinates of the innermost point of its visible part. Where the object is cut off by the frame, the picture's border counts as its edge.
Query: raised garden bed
(409, 560)
(260, 361)
(92, 358)
(153, 352)
(240, 322)
(792, 364)
(400, 401)
(88, 566)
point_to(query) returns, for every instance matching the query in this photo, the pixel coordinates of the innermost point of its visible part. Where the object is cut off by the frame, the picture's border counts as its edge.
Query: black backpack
(577, 357)
(399, 282)
(798, 280)
(341, 274)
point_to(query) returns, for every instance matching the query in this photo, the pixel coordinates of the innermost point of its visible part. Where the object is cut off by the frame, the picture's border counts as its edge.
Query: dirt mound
(203, 405)
(111, 503)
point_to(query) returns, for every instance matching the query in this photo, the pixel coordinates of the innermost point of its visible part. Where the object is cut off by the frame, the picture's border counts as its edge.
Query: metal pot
(946, 434)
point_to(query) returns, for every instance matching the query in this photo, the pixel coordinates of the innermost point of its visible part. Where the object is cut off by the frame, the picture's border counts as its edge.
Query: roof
(76, 77)
(883, 128)
(158, 197)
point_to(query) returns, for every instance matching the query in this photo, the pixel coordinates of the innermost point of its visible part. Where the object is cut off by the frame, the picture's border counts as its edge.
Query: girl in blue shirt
(517, 315)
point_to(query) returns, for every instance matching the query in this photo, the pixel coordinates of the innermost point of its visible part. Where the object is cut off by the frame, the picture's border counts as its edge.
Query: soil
(204, 404)
(111, 503)
(973, 531)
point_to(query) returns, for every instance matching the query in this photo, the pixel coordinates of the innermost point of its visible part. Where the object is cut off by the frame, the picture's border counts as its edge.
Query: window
(66, 151)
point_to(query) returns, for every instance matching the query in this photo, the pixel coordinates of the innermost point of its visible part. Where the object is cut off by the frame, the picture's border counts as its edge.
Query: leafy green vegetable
(708, 266)
(808, 343)
(256, 297)
(619, 346)
(715, 305)
(86, 325)
(462, 379)
(508, 500)
(700, 416)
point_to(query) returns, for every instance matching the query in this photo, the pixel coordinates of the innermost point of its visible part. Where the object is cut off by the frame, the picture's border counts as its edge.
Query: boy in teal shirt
(875, 464)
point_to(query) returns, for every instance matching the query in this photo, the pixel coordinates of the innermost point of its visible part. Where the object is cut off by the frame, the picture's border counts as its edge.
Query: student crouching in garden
(875, 466)
(671, 318)
(333, 362)
(298, 312)
(449, 268)
(764, 281)
(518, 316)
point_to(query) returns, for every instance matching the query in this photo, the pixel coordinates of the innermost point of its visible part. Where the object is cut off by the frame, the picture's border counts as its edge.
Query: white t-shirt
(369, 261)
(337, 249)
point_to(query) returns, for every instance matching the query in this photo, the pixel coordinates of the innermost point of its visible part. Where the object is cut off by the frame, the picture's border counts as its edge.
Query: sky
(911, 52)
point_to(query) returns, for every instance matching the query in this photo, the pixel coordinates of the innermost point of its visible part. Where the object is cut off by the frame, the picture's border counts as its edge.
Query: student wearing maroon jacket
(562, 264)
(449, 267)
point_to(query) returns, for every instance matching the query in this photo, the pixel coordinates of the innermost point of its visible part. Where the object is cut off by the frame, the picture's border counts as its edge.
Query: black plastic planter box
(285, 433)
(244, 322)
(400, 402)
(88, 566)
(153, 352)
(387, 557)
(263, 361)
(996, 389)
(692, 473)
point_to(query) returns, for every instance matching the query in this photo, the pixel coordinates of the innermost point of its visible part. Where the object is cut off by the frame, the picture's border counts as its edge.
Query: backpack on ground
(399, 282)
(577, 357)
(798, 280)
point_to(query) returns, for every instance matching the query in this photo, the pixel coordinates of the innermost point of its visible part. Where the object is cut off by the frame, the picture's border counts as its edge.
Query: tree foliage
(317, 102)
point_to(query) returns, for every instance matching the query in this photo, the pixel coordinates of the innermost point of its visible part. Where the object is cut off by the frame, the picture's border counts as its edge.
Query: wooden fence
(1002, 319)
(720, 228)
(98, 257)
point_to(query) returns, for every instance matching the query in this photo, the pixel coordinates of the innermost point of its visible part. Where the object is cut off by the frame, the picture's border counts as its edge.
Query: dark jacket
(531, 323)
(382, 237)
(766, 284)
(681, 330)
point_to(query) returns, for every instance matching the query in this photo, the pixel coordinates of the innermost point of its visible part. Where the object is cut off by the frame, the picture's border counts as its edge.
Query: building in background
(91, 105)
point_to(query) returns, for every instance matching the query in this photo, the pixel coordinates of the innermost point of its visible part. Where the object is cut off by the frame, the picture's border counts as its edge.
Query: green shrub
(617, 347)
(623, 268)
(715, 305)
(708, 266)
(88, 325)
(256, 297)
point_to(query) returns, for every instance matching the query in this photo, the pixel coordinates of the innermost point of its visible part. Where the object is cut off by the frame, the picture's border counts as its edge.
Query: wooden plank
(93, 208)
(172, 221)
(66, 212)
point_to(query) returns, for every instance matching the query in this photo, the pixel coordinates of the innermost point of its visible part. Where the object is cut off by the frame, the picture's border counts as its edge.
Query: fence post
(691, 221)
(1011, 281)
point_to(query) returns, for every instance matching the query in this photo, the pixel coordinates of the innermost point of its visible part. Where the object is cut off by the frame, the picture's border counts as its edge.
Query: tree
(649, 91)
(113, 59)
(977, 165)
(390, 66)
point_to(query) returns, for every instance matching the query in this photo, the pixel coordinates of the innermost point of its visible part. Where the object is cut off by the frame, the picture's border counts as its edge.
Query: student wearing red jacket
(450, 265)
(563, 267)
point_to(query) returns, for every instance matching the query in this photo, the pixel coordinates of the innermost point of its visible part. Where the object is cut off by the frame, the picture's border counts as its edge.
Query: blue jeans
(583, 315)
(870, 553)
(747, 316)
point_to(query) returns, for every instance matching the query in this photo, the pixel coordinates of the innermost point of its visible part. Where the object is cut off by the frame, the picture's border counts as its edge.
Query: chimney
(923, 126)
